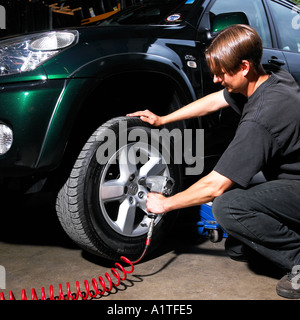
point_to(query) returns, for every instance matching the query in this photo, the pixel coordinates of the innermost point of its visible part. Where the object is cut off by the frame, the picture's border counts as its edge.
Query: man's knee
(222, 208)
(218, 207)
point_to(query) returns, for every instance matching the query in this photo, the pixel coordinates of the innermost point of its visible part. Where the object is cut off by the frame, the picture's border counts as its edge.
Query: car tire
(102, 206)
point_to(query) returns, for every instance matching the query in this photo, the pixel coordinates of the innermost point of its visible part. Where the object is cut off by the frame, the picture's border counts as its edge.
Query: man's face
(233, 83)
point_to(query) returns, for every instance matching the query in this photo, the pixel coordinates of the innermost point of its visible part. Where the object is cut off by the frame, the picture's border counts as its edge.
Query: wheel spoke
(126, 167)
(126, 216)
(153, 167)
(112, 190)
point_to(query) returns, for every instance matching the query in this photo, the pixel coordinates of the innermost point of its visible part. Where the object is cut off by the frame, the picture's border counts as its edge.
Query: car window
(287, 19)
(254, 11)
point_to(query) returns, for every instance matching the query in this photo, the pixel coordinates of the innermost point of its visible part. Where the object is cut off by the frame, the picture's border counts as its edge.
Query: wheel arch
(116, 95)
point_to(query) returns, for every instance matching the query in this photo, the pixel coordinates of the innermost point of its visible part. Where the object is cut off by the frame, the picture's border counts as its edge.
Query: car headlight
(6, 138)
(26, 53)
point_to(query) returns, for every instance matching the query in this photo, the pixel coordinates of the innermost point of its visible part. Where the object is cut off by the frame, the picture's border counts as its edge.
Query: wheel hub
(133, 188)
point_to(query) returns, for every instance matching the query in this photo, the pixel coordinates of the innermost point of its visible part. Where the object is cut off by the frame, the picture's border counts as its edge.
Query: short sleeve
(235, 100)
(248, 153)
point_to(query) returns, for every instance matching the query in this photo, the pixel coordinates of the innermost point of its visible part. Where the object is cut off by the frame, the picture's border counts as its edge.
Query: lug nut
(141, 194)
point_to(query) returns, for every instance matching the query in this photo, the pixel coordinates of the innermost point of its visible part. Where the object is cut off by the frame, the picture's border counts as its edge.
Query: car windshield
(152, 12)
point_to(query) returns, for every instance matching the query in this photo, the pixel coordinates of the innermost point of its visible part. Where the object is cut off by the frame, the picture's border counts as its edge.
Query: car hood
(98, 44)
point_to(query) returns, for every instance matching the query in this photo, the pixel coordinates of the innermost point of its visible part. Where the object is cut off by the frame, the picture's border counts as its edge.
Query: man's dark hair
(233, 45)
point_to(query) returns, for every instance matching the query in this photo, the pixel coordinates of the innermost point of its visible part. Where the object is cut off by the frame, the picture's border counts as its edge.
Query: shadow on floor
(32, 220)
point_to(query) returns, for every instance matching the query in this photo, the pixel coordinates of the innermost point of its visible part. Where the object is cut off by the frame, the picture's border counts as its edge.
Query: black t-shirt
(268, 136)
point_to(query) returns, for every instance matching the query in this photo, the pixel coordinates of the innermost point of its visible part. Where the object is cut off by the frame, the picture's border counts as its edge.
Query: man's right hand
(147, 116)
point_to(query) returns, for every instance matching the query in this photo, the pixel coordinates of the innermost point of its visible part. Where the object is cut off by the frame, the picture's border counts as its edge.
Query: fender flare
(141, 62)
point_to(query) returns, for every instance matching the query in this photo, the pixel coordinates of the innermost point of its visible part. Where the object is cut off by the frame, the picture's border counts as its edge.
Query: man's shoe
(289, 285)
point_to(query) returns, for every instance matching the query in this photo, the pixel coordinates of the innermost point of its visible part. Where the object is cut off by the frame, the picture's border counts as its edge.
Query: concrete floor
(36, 253)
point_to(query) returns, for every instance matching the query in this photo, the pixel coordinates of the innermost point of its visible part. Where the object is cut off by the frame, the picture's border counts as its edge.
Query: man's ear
(245, 67)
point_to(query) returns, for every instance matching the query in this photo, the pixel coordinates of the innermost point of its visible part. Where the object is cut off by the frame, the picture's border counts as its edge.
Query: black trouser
(265, 217)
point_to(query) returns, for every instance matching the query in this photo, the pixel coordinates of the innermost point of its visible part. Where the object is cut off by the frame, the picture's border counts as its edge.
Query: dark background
(23, 16)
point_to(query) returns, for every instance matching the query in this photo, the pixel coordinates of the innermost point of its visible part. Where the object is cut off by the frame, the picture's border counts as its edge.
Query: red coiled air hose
(89, 293)
(79, 293)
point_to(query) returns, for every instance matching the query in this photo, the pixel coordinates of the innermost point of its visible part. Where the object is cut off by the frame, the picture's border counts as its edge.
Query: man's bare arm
(203, 191)
(208, 104)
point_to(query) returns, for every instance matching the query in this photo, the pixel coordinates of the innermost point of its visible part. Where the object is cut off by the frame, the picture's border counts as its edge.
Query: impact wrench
(157, 184)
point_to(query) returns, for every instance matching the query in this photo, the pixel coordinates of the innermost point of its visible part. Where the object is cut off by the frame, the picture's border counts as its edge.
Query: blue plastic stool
(208, 226)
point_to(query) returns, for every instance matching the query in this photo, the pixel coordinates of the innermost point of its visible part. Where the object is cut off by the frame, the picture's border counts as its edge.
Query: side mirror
(221, 21)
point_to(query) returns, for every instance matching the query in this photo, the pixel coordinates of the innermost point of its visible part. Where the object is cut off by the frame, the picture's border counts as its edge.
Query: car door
(285, 17)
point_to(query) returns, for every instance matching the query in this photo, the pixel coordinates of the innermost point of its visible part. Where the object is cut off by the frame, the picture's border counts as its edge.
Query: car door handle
(276, 61)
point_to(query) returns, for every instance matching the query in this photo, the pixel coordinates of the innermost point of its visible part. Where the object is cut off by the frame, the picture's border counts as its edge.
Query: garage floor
(35, 252)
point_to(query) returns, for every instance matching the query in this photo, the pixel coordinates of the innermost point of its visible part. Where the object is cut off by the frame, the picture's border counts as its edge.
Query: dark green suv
(62, 94)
